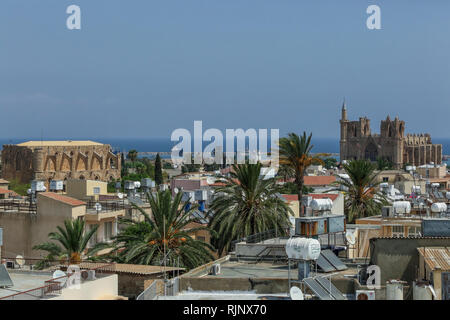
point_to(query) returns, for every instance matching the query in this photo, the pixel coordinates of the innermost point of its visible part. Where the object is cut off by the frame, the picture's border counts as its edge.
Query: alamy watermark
(251, 146)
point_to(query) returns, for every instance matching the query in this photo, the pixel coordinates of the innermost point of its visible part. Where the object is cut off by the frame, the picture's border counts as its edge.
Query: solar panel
(327, 285)
(317, 289)
(324, 264)
(5, 279)
(333, 260)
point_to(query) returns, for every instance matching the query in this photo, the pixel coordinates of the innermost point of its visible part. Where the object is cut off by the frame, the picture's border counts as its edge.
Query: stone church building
(358, 142)
(60, 160)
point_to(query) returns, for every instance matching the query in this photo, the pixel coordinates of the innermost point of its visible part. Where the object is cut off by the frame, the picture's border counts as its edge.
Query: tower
(344, 125)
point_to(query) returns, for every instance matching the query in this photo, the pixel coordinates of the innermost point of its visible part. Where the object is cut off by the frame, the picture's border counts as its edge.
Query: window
(107, 228)
(414, 232)
(397, 231)
(385, 179)
(200, 238)
(96, 190)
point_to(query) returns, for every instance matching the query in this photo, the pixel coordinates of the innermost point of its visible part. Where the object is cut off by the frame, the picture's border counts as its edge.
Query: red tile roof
(64, 199)
(290, 197)
(319, 180)
(331, 196)
(5, 191)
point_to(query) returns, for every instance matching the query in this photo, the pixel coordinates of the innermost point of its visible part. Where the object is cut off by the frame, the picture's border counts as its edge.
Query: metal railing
(259, 237)
(18, 205)
(107, 206)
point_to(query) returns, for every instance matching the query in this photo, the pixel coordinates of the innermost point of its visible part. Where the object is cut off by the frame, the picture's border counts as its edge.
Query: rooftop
(24, 281)
(61, 143)
(125, 268)
(64, 199)
(436, 257)
(319, 180)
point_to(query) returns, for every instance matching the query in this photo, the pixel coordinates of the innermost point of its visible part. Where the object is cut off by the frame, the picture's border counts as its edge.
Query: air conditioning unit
(88, 275)
(387, 211)
(215, 269)
(365, 295)
(10, 264)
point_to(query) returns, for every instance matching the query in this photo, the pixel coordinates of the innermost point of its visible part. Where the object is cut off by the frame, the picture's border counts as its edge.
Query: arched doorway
(371, 152)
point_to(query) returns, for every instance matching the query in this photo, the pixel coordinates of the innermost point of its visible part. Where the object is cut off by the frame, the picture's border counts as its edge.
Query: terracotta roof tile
(331, 196)
(5, 191)
(126, 268)
(319, 180)
(290, 197)
(65, 199)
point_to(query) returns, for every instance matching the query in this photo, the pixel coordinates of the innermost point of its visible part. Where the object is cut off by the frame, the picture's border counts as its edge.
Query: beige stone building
(60, 160)
(358, 142)
(24, 229)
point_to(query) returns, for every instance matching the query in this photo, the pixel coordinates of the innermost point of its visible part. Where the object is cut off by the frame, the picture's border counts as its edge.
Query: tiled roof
(436, 257)
(65, 199)
(3, 181)
(319, 180)
(331, 196)
(290, 197)
(5, 191)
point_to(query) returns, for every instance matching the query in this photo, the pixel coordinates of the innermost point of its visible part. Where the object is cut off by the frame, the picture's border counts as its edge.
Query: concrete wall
(92, 290)
(398, 258)
(84, 189)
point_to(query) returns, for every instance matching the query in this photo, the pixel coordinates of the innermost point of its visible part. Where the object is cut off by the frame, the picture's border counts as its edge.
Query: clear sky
(145, 68)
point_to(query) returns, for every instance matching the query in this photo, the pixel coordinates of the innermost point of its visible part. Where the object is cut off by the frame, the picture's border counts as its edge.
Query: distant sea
(321, 145)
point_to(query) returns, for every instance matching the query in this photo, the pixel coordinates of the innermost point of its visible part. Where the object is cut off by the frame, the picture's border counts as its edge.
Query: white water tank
(409, 168)
(394, 290)
(384, 185)
(401, 207)
(435, 185)
(322, 204)
(415, 189)
(422, 291)
(438, 207)
(303, 248)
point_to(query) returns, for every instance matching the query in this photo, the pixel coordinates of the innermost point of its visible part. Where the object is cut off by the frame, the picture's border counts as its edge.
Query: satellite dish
(28, 191)
(350, 237)
(176, 190)
(120, 195)
(98, 206)
(210, 180)
(60, 276)
(20, 260)
(296, 293)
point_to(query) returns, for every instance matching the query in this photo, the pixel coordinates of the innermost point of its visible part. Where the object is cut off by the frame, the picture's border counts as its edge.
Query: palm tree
(132, 155)
(295, 153)
(165, 235)
(247, 204)
(362, 197)
(70, 245)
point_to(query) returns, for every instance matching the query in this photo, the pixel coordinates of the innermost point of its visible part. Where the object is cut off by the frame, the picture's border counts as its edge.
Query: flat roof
(225, 295)
(24, 281)
(59, 143)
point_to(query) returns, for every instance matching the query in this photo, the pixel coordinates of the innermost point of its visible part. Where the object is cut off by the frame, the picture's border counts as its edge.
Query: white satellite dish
(176, 190)
(98, 207)
(120, 195)
(350, 237)
(28, 191)
(210, 180)
(20, 260)
(60, 276)
(296, 293)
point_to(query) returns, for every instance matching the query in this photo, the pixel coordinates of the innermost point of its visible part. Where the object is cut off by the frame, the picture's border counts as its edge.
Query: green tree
(166, 230)
(69, 243)
(330, 162)
(158, 170)
(247, 204)
(362, 197)
(295, 152)
(384, 164)
(132, 155)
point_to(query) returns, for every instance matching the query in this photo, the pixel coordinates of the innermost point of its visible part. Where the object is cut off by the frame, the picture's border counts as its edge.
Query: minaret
(343, 141)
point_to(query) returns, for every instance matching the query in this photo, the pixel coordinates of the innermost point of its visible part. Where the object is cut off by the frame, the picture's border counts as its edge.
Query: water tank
(384, 185)
(394, 290)
(147, 183)
(137, 184)
(129, 185)
(201, 195)
(321, 204)
(415, 189)
(409, 168)
(303, 248)
(56, 185)
(438, 207)
(421, 291)
(435, 185)
(37, 186)
(401, 207)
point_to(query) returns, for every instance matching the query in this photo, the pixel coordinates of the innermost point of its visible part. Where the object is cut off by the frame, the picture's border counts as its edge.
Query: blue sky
(145, 68)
